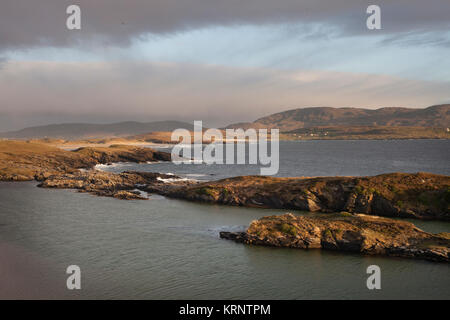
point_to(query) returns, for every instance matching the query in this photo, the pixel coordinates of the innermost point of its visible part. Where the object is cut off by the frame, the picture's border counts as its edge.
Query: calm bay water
(327, 158)
(170, 249)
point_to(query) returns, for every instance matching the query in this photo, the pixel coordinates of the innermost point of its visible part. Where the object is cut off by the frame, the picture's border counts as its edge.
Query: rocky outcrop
(126, 185)
(128, 195)
(22, 161)
(420, 195)
(346, 232)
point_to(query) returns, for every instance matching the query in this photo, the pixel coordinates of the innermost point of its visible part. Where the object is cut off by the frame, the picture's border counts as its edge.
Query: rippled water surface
(169, 249)
(328, 158)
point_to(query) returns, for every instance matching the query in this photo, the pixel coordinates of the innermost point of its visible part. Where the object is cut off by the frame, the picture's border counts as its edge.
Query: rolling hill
(86, 130)
(337, 122)
(435, 116)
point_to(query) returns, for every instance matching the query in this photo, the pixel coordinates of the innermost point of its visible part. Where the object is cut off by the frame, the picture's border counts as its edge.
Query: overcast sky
(217, 61)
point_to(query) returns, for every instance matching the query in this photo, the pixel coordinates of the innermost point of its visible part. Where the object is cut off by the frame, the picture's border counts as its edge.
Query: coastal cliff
(346, 232)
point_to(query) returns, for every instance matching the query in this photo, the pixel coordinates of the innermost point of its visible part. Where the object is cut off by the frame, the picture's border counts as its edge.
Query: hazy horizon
(206, 124)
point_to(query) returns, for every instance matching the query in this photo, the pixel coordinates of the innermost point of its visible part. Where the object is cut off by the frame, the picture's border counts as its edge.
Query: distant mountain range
(86, 130)
(287, 121)
(435, 116)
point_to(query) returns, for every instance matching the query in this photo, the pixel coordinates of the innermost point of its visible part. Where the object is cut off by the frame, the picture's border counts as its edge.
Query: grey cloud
(25, 23)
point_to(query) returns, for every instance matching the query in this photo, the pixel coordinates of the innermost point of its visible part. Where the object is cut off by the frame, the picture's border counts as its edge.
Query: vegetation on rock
(356, 233)
(420, 195)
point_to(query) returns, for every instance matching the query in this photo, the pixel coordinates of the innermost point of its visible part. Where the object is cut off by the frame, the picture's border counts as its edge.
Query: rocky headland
(357, 233)
(24, 161)
(419, 195)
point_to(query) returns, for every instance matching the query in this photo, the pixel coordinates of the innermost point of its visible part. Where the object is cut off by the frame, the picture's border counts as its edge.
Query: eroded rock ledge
(346, 232)
(420, 195)
(126, 185)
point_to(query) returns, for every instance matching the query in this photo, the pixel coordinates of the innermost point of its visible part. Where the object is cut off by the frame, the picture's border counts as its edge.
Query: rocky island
(358, 233)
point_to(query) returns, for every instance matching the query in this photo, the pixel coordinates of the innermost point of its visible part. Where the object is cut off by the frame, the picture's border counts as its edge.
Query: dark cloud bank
(25, 23)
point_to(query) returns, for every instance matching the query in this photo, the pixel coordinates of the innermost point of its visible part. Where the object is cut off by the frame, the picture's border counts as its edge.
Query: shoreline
(422, 196)
(33, 161)
(397, 195)
(76, 145)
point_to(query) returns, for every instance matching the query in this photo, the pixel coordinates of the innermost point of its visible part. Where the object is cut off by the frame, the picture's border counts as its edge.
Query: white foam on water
(142, 193)
(195, 175)
(169, 180)
(186, 161)
(112, 165)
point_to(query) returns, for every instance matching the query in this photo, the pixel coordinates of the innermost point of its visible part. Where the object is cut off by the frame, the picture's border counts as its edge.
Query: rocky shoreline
(25, 161)
(419, 195)
(358, 233)
(363, 199)
(126, 185)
